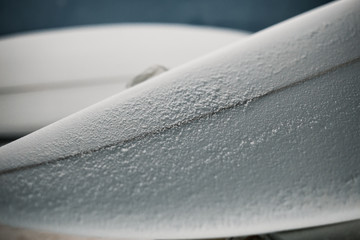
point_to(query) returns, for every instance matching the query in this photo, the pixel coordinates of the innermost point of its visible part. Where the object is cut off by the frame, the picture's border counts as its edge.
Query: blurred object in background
(49, 75)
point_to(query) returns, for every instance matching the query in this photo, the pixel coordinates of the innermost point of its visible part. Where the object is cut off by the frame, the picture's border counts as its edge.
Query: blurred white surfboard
(260, 136)
(48, 75)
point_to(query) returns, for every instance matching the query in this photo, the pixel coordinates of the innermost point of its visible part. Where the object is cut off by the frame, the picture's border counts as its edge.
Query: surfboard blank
(262, 136)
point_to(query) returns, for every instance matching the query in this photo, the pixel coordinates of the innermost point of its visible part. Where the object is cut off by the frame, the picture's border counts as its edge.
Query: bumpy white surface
(49, 75)
(225, 145)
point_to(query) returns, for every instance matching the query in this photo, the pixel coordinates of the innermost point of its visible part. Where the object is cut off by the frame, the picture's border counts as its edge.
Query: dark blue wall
(252, 15)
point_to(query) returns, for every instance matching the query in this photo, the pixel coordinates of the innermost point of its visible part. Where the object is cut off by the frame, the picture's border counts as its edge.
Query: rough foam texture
(259, 137)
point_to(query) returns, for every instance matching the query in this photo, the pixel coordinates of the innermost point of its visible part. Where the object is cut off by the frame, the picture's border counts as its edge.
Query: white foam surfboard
(49, 75)
(261, 136)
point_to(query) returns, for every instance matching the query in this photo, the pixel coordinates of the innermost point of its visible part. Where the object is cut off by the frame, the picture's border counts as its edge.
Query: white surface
(261, 136)
(48, 75)
(85, 53)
